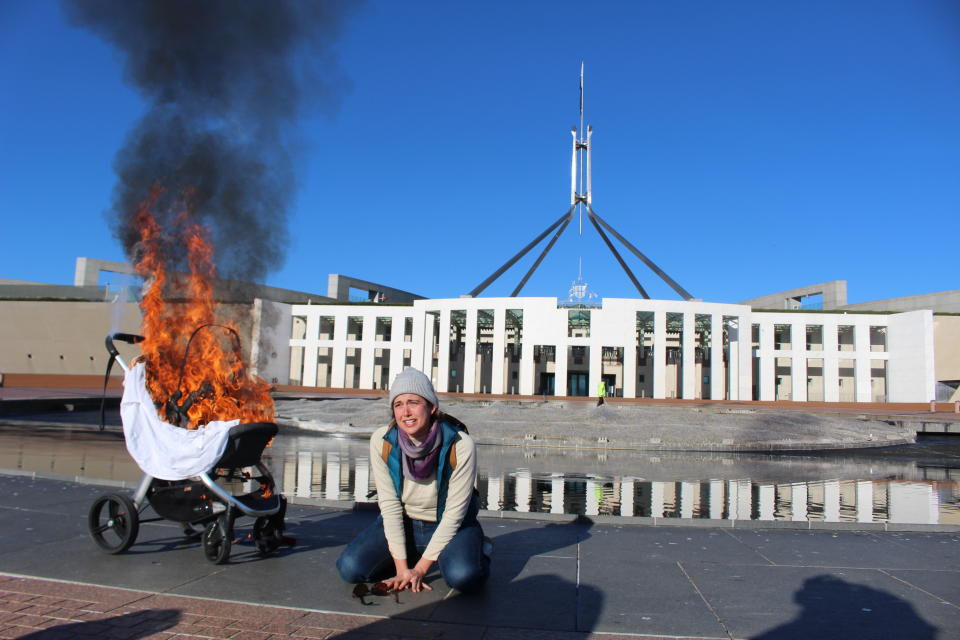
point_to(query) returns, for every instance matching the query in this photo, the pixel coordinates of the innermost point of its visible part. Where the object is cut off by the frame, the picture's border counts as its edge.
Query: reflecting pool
(906, 484)
(917, 484)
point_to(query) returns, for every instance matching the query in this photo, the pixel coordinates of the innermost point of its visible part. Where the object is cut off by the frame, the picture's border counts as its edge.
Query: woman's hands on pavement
(408, 578)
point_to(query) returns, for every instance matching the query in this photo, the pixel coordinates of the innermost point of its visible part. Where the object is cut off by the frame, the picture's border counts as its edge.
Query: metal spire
(581, 197)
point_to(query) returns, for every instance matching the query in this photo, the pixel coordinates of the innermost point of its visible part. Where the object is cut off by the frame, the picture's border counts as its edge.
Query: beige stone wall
(67, 338)
(946, 346)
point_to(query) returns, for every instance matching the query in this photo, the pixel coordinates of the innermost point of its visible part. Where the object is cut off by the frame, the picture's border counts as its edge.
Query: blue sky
(745, 147)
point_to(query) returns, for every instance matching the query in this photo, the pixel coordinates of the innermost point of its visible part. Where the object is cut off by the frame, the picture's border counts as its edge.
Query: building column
(768, 360)
(423, 359)
(630, 370)
(470, 353)
(716, 357)
(338, 358)
(798, 372)
(443, 364)
(831, 364)
(659, 354)
(367, 352)
(527, 366)
(688, 356)
(560, 375)
(497, 383)
(595, 363)
(744, 358)
(864, 392)
(309, 378)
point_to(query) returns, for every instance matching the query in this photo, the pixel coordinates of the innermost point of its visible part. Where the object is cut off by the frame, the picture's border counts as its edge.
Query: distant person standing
(601, 392)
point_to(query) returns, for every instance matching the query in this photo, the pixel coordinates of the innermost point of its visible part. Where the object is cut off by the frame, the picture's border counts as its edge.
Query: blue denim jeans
(463, 564)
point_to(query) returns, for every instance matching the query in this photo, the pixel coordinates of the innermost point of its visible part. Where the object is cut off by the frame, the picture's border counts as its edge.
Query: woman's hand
(408, 578)
(411, 579)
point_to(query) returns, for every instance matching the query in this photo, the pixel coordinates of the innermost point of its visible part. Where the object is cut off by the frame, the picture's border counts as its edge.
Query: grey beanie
(412, 380)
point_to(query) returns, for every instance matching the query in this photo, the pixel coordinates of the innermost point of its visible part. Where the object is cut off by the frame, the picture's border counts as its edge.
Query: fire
(194, 363)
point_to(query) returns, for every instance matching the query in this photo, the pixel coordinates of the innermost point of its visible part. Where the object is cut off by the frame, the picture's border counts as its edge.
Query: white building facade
(639, 348)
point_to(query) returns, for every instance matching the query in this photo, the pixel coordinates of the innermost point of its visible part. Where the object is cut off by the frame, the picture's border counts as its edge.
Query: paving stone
(838, 549)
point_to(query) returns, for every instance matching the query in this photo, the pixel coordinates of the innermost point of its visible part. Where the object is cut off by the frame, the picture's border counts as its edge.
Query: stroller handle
(130, 338)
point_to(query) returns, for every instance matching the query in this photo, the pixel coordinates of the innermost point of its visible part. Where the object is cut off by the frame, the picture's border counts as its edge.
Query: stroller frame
(114, 519)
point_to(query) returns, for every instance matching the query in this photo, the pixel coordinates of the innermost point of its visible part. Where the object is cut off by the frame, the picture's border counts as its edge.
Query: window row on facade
(639, 349)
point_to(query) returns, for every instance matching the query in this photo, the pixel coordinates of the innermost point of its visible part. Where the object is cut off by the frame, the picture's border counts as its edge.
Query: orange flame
(190, 355)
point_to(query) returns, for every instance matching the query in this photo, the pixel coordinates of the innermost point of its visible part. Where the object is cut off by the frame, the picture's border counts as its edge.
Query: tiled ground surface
(51, 610)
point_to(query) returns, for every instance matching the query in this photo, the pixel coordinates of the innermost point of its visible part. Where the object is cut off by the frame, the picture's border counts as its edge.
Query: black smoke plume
(224, 82)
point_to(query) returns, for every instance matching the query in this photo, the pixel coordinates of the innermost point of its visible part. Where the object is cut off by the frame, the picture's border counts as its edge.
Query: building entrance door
(547, 382)
(577, 384)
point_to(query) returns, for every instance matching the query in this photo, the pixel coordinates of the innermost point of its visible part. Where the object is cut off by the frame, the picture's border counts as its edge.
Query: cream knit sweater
(420, 497)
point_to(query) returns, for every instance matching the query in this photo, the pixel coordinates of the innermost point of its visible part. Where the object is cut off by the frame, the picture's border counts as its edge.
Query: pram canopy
(160, 449)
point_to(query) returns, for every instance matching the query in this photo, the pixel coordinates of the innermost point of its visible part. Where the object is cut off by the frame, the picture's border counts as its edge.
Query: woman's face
(413, 414)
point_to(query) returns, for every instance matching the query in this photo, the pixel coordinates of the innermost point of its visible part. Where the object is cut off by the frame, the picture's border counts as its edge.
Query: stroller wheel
(266, 536)
(113, 522)
(217, 540)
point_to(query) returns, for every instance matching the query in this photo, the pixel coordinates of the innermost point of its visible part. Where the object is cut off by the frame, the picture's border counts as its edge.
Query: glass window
(326, 327)
(781, 337)
(845, 337)
(355, 328)
(814, 337)
(384, 329)
(578, 323)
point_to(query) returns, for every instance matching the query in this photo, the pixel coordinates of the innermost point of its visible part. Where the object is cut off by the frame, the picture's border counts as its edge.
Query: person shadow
(129, 626)
(835, 608)
(534, 582)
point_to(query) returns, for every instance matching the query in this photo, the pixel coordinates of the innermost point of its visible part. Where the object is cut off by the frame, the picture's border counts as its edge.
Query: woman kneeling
(425, 468)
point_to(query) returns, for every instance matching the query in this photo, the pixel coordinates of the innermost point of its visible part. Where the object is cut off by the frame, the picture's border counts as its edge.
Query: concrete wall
(946, 346)
(942, 302)
(911, 372)
(338, 288)
(67, 338)
(62, 337)
(834, 296)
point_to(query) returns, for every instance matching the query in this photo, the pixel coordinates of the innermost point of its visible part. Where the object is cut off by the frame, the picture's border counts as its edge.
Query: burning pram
(205, 477)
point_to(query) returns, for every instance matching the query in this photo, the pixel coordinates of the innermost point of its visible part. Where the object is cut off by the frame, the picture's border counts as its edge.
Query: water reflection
(909, 486)
(821, 488)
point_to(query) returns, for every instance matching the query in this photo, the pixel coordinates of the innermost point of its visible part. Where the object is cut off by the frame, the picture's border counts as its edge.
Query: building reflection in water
(797, 488)
(344, 475)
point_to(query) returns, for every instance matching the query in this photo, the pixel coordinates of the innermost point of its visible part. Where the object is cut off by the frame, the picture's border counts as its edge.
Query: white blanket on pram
(162, 450)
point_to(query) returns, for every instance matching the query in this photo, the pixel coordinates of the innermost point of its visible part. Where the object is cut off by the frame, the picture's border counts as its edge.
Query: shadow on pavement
(834, 608)
(129, 626)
